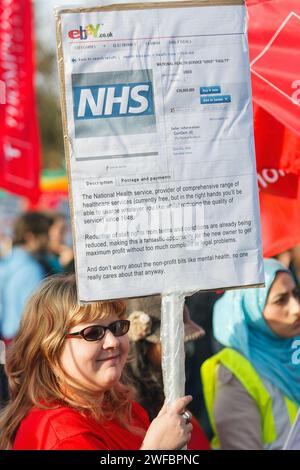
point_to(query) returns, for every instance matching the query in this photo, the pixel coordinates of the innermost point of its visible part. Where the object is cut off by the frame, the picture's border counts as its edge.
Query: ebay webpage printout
(159, 146)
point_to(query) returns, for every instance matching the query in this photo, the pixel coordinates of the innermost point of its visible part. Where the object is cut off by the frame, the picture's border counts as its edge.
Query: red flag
(280, 218)
(276, 146)
(277, 152)
(19, 138)
(274, 32)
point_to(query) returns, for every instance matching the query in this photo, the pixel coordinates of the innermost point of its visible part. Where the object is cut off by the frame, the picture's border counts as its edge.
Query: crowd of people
(89, 376)
(38, 250)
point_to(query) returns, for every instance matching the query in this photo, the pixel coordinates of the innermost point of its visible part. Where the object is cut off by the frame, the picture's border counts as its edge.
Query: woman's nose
(295, 306)
(110, 341)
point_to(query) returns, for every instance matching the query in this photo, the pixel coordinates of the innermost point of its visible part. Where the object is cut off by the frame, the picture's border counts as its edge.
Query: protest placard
(159, 146)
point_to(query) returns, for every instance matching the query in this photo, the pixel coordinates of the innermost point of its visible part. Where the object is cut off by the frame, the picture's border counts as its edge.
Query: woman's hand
(169, 430)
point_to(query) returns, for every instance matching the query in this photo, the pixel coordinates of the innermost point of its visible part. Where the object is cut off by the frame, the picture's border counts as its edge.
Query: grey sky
(44, 18)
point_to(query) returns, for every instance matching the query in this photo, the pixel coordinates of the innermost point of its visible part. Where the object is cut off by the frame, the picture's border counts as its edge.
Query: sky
(44, 19)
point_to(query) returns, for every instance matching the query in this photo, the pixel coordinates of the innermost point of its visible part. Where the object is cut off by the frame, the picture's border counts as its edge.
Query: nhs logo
(122, 99)
(125, 96)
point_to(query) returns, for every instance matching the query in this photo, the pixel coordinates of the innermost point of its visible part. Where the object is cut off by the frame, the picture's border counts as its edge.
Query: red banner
(277, 152)
(276, 146)
(274, 38)
(274, 34)
(19, 138)
(280, 218)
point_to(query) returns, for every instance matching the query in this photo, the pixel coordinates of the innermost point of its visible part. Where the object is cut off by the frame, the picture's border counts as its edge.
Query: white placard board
(159, 146)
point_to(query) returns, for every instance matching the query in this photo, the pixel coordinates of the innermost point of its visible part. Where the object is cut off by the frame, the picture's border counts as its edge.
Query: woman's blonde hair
(35, 374)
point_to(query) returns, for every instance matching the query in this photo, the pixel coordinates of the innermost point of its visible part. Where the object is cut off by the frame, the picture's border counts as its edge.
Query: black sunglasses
(97, 332)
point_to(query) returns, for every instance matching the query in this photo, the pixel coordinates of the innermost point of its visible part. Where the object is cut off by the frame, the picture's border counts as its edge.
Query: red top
(66, 429)
(198, 440)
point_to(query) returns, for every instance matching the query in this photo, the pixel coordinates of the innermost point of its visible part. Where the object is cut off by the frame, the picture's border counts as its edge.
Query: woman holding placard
(67, 389)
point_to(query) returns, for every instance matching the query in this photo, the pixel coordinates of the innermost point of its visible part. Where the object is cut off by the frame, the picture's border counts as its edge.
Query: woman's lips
(108, 358)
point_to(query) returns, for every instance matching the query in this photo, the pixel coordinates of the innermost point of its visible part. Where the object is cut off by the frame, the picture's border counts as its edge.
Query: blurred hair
(36, 223)
(36, 377)
(55, 217)
(146, 377)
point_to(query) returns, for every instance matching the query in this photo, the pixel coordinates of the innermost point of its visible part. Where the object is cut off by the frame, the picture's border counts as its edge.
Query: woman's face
(57, 233)
(96, 365)
(282, 310)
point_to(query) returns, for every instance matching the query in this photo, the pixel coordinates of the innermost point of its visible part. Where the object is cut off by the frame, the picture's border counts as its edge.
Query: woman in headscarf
(252, 386)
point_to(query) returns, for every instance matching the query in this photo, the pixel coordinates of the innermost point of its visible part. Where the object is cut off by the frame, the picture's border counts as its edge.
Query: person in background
(295, 264)
(252, 386)
(290, 259)
(22, 270)
(60, 255)
(144, 366)
(5, 245)
(66, 382)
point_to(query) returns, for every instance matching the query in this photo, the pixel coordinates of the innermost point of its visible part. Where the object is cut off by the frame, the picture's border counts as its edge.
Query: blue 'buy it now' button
(208, 90)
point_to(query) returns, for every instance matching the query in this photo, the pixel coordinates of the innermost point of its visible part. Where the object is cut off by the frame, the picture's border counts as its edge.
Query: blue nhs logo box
(120, 100)
(125, 96)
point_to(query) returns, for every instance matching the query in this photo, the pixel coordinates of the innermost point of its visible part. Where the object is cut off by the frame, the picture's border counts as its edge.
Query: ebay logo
(89, 31)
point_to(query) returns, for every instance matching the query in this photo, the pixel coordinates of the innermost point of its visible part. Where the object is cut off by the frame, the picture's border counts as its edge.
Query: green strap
(292, 409)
